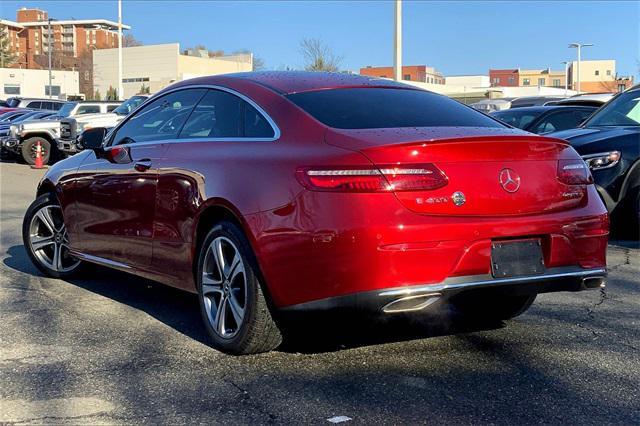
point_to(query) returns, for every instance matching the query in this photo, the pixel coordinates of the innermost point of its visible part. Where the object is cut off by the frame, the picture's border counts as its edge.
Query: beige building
(157, 66)
(542, 78)
(597, 76)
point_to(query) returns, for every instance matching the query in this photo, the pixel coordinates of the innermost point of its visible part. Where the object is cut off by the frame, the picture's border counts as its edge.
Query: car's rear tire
(493, 307)
(29, 146)
(45, 238)
(227, 277)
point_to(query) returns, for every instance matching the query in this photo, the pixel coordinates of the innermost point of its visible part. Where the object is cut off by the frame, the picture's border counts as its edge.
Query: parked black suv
(609, 141)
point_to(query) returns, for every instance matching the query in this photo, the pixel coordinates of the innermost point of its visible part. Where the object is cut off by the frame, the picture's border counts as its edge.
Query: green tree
(97, 96)
(7, 57)
(144, 89)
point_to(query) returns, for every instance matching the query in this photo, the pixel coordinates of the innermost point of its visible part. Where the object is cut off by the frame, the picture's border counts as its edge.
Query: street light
(49, 52)
(566, 76)
(120, 86)
(397, 42)
(579, 46)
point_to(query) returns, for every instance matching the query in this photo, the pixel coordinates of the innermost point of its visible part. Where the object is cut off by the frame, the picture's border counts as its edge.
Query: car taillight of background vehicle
(602, 160)
(386, 178)
(574, 172)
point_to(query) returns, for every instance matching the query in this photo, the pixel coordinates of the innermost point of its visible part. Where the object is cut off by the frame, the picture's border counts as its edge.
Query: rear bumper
(416, 298)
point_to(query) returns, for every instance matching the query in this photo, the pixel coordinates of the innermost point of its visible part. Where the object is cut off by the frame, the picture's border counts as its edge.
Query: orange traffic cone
(38, 164)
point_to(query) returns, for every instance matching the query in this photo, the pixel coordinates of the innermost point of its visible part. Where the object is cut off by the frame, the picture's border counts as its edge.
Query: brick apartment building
(420, 73)
(71, 43)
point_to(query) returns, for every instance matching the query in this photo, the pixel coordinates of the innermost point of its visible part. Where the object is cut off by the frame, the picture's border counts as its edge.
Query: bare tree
(128, 40)
(318, 56)
(258, 63)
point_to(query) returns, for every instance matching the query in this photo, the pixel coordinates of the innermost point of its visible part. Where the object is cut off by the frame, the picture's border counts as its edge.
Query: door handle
(142, 165)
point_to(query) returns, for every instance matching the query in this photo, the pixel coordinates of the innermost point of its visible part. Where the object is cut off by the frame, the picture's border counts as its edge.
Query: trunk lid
(490, 172)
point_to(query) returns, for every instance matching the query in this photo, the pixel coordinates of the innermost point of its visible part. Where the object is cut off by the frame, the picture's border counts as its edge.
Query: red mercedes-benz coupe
(293, 191)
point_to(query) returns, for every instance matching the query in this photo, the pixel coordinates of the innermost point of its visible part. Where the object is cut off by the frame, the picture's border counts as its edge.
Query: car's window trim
(272, 123)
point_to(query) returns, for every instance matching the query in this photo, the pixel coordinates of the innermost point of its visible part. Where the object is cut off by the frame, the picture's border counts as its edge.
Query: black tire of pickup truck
(28, 150)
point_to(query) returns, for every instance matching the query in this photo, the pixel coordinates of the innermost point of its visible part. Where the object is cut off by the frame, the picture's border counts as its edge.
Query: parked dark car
(545, 119)
(609, 141)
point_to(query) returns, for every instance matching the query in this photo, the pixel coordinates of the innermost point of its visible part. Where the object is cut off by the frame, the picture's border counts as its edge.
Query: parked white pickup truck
(24, 137)
(72, 127)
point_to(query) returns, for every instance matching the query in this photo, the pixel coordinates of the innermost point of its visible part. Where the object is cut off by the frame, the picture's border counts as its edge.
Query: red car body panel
(313, 245)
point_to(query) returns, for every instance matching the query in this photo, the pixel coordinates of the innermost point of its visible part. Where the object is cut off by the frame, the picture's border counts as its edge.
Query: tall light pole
(566, 76)
(397, 42)
(120, 87)
(49, 52)
(579, 46)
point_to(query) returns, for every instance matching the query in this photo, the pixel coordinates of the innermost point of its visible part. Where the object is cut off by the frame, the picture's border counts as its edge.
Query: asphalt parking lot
(110, 348)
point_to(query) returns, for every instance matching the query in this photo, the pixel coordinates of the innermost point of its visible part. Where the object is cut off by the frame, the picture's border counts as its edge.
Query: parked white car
(72, 127)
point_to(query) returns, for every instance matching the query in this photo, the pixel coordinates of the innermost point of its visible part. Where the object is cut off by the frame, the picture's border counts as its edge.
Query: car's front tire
(29, 147)
(233, 306)
(493, 307)
(45, 238)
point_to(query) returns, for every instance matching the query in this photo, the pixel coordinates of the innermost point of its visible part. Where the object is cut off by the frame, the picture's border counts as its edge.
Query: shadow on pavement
(330, 332)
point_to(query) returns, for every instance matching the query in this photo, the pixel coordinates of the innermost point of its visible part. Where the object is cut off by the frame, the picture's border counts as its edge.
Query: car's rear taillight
(386, 178)
(574, 172)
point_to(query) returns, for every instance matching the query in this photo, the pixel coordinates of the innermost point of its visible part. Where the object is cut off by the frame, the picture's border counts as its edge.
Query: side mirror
(92, 138)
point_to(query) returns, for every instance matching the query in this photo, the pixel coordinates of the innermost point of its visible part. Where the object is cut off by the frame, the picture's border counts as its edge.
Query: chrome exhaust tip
(411, 303)
(594, 282)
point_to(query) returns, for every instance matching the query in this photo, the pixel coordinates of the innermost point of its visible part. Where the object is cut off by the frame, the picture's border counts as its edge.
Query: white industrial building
(157, 66)
(29, 83)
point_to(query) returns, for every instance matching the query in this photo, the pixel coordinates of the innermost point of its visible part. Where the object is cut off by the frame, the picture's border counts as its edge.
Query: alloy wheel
(224, 287)
(49, 240)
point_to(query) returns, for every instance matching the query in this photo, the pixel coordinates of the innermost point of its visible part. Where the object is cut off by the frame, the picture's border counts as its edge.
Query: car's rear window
(376, 108)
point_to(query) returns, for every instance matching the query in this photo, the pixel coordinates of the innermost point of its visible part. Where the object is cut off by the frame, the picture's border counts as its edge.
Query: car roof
(288, 82)
(545, 108)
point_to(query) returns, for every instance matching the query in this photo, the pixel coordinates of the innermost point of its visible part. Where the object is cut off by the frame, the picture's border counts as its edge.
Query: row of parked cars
(606, 134)
(55, 125)
(605, 130)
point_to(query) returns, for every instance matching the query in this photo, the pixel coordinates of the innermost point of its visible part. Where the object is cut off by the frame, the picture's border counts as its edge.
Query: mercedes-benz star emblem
(509, 180)
(458, 198)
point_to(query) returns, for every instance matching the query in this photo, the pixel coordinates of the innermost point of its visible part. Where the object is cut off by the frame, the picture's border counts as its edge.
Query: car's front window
(623, 110)
(159, 120)
(66, 109)
(129, 105)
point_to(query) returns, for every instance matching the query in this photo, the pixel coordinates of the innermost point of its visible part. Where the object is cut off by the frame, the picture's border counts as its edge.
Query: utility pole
(579, 46)
(397, 42)
(566, 77)
(49, 52)
(120, 86)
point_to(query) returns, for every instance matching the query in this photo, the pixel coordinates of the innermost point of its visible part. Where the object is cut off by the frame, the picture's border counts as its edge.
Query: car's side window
(160, 119)
(557, 121)
(255, 125)
(88, 109)
(57, 106)
(111, 107)
(35, 105)
(222, 114)
(218, 115)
